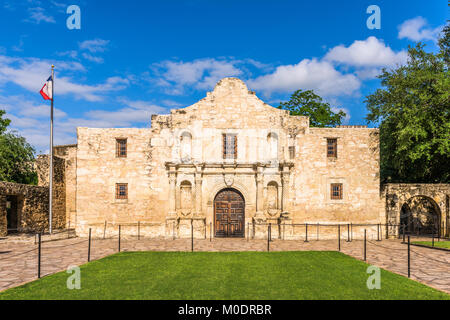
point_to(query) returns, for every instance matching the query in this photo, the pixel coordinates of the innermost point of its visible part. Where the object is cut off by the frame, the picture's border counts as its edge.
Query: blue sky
(135, 58)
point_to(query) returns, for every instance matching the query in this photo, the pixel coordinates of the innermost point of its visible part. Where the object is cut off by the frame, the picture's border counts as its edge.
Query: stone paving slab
(18, 261)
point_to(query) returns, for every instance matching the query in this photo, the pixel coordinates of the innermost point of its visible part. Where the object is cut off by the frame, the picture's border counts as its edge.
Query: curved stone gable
(231, 105)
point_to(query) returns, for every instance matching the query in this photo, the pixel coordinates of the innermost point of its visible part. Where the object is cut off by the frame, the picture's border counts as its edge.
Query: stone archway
(420, 215)
(229, 214)
(432, 198)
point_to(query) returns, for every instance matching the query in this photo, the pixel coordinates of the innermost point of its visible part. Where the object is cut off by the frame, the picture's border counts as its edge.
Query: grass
(225, 275)
(438, 244)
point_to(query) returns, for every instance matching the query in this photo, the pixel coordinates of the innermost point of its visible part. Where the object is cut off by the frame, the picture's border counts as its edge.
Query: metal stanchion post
(39, 254)
(192, 236)
(270, 232)
(119, 237)
(432, 239)
(317, 232)
(409, 257)
(248, 231)
(89, 246)
(339, 237)
(306, 235)
(404, 227)
(139, 230)
(365, 245)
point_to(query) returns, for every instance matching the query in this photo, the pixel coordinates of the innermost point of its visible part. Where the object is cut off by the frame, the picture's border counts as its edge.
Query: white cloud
(19, 46)
(320, 76)
(172, 104)
(31, 73)
(201, 74)
(347, 113)
(92, 58)
(366, 53)
(31, 119)
(93, 46)
(38, 15)
(338, 73)
(71, 54)
(417, 29)
(368, 73)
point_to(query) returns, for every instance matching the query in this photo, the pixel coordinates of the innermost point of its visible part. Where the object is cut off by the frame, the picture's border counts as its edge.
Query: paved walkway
(18, 261)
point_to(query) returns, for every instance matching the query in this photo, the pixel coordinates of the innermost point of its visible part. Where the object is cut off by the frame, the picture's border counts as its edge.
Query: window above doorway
(229, 148)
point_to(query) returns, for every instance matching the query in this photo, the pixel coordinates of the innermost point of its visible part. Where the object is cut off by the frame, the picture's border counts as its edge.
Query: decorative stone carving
(229, 179)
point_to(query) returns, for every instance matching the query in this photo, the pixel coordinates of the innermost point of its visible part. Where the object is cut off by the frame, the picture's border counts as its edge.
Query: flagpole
(50, 201)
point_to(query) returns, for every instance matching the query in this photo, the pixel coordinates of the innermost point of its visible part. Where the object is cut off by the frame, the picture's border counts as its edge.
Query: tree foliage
(307, 103)
(16, 156)
(4, 123)
(413, 113)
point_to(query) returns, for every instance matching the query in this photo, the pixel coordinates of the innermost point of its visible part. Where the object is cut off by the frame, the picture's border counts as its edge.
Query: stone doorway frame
(243, 219)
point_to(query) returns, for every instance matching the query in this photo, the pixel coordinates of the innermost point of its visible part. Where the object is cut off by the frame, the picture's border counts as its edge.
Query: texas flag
(46, 91)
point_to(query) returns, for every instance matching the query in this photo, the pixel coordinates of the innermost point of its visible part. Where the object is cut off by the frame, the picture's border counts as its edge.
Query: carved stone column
(172, 192)
(279, 197)
(285, 178)
(259, 192)
(198, 193)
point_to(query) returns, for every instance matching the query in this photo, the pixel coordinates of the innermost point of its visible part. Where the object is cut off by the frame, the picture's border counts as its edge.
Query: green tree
(307, 103)
(4, 123)
(413, 113)
(16, 156)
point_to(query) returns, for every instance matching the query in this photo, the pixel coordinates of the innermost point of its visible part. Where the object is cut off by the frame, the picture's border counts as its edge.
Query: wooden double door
(229, 214)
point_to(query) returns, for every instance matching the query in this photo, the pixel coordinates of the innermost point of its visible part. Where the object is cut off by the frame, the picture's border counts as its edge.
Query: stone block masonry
(30, 209)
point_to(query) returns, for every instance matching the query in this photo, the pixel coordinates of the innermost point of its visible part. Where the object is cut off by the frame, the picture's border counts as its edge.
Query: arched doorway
(421, 216)
(229, 214)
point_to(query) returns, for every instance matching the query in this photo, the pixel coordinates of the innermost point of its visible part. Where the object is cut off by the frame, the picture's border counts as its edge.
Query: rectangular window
(121, 190)
(291, 152)
(336, 191)
(332, 148)
(121, 148)
(229, 146)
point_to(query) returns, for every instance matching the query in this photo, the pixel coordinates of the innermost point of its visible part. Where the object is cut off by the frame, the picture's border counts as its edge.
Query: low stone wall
(32, 208)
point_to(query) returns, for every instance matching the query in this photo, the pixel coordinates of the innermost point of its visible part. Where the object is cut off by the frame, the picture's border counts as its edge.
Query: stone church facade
(228, 161)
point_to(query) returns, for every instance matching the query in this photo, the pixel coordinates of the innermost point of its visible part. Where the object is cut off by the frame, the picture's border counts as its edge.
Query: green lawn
(230, 275)
(439, 244)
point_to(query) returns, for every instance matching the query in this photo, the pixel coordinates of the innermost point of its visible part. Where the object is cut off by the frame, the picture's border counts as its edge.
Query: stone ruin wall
(32, 208)
(395, 195)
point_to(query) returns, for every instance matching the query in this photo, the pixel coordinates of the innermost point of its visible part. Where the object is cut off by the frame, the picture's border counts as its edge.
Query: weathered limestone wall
(69, 154)
(59, 186)
(356, 167)
(98, 171)
(32, 208)
(185, 148)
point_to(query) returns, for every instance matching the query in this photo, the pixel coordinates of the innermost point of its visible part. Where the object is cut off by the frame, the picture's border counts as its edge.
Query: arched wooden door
(229, 214)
